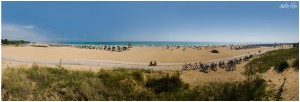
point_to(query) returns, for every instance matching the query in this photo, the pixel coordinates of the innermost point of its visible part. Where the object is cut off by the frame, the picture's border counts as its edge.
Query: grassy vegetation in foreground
(45, 83)
(275, 58)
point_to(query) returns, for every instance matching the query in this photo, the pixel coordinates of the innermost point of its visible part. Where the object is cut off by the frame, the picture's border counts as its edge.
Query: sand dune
(291, 86)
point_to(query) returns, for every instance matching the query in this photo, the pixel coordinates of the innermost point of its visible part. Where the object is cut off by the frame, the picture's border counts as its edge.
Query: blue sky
(151, 21)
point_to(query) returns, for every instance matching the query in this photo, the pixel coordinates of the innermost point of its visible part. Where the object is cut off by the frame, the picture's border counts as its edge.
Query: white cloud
(28, 26)
(23, 32)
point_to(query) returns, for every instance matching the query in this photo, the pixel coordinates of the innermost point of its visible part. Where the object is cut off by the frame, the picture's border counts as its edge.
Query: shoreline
(163, 43)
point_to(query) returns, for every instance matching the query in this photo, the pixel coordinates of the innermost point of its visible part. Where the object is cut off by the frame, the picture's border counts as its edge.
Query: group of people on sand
(153, 64)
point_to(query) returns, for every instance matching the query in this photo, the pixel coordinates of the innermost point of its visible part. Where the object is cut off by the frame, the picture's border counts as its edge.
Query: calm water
(138, 43)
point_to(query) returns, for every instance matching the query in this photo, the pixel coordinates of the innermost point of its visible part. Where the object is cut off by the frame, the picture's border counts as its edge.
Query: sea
(166, 43)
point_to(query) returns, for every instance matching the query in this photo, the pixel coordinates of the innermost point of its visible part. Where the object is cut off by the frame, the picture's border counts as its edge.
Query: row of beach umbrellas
(104, 47)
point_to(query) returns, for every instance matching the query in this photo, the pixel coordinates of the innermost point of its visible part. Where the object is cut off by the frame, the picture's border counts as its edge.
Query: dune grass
(253, 88)
(296, 63)
(46, 83)
(281, 66)
(275, 58)
(166, 84)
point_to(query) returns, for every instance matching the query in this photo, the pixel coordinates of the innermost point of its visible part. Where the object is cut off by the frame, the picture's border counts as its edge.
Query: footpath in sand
(291, 86)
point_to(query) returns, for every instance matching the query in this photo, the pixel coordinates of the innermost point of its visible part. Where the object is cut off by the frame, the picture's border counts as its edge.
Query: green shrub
(166, 84)
(148, 71)
(214, 51)
(137, 76)
(111, 79)
(280, 67)
(264, 62)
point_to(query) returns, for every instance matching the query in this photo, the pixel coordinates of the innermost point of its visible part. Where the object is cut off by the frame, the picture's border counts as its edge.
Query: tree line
(5, 41)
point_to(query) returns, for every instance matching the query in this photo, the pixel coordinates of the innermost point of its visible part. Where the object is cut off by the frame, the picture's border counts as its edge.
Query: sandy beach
(136, 55)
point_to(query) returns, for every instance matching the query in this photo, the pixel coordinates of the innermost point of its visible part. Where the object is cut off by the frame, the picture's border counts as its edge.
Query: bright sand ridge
(135, 54)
